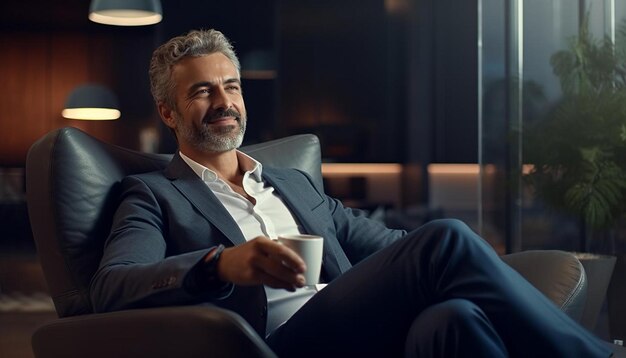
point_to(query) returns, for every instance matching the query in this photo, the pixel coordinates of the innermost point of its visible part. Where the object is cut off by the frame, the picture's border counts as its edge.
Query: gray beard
(208, 139)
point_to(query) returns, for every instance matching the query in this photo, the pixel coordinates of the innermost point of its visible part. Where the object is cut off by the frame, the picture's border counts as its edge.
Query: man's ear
(167, 115)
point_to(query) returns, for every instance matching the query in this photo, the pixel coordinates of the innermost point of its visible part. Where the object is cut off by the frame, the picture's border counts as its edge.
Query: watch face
(210, 265)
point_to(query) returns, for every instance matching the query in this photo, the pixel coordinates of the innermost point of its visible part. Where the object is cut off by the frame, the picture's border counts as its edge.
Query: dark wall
(456, 81)
(336, 63)
(381, 85)
(338, 75)
(443, 108)
(376, 84)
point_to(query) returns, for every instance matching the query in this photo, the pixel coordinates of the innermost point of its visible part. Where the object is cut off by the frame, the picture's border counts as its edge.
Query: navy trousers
(441, 291)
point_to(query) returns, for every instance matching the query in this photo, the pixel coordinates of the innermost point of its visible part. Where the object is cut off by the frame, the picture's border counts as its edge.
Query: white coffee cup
(310, 249)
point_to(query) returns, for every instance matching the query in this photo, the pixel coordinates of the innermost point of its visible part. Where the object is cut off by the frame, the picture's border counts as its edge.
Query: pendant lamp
(91, 102)
(126, 12)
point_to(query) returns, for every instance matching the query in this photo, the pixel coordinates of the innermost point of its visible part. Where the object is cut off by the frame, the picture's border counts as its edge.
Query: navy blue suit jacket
(167, 221)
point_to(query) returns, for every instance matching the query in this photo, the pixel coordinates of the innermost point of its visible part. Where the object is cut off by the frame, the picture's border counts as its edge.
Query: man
(201, 231)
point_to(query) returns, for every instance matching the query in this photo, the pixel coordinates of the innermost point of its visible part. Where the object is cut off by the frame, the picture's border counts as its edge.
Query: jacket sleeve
(359, 235)
(135, 270)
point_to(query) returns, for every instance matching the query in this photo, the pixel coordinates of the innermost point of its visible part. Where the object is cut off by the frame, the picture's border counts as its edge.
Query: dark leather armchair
(72, 182)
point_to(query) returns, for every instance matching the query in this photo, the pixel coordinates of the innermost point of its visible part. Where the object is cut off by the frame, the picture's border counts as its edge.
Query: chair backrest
(72, 190)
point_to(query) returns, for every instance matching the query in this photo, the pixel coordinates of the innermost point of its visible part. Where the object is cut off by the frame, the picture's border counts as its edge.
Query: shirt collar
(246, 163)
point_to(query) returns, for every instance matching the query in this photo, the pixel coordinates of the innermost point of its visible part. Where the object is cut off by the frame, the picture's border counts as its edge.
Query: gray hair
(196, 43)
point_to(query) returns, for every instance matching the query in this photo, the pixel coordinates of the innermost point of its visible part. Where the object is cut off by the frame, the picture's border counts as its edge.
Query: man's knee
(445, 226)
(446, 232)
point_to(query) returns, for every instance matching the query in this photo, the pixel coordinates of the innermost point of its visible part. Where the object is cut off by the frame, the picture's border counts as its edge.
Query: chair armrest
(557, 274)
(192, 331)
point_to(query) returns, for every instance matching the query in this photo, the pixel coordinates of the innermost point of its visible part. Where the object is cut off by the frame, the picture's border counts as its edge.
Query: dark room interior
(424, 109)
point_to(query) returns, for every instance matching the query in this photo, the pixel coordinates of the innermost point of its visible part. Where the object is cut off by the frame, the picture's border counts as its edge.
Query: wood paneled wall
(37, 72)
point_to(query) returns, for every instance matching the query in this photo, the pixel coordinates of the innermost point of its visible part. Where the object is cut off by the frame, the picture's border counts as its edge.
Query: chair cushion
(298, 151)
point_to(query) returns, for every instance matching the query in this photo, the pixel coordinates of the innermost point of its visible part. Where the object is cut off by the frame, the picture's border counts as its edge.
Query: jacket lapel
(185, 180)
(299, 204)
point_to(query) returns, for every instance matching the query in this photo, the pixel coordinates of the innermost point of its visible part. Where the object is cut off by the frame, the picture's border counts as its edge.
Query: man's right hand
(262, 261)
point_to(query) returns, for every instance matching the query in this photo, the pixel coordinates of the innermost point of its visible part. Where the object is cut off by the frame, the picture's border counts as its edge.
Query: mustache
(217, 115)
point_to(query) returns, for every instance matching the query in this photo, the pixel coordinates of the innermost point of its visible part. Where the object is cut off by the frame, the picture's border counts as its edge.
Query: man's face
(210, 114)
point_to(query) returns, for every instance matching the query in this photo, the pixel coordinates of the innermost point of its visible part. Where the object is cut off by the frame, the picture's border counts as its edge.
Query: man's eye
(233, 88)
(203, 92)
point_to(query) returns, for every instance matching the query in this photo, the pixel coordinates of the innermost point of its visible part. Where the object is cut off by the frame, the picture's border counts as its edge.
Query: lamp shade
(91, 102)
(126, 12)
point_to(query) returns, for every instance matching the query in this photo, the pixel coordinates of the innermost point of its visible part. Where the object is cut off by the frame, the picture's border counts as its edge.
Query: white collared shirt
(268, 216)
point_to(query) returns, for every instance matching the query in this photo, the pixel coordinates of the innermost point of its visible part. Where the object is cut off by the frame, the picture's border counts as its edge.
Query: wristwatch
(204, 277)
(209, 265)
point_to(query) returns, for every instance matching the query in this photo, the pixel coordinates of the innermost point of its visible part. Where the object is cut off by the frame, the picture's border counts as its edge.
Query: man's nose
(221, 100)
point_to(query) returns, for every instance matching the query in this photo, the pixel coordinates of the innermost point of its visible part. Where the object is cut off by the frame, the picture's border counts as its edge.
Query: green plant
(578, 151)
